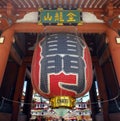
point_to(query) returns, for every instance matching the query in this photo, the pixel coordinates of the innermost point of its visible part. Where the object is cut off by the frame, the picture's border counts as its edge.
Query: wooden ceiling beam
(115, 24)
(85, 28)
(84, 3)
(64, 4)
(46, 3)
(118, 4)
(92, 28)
(90, 4)
(4, 24)
(105, 56)
(26, 4)
(24, 10)
(84, 10)
(72, 3)
(115, 2)
(80, 4)
(69, 4)
(19, 4)
(40, 3)
(16, 57)
(50, 4)
(31, 3)
(95, 3)
(75, 4)
(56, 3)
(20, 44)
(43, 3)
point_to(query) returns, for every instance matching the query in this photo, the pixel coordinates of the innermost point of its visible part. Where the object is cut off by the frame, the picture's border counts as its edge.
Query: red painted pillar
(114, 50)
(102, 90)
(5, 47)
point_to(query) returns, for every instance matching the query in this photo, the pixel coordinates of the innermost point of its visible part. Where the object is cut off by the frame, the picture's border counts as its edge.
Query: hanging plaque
(59, 16)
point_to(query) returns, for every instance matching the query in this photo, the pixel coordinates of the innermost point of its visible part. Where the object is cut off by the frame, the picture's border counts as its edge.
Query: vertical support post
(28, 99)
(18, 92)
(8, 86)
(93, 98)
(114, 50)
(102, 90)
(6, 41)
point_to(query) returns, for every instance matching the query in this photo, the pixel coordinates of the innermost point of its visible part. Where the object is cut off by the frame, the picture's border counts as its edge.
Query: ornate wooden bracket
(13, 13)
(9, 15)
(109, 10)
(3, 23)
(109, 15)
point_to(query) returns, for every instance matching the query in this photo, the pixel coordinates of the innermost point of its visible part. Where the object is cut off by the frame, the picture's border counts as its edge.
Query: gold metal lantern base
(62, 101)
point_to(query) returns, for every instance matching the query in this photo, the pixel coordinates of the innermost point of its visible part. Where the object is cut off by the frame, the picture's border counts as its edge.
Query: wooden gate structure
(19, 30)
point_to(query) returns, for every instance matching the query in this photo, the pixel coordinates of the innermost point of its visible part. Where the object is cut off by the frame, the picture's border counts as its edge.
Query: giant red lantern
(61, 68)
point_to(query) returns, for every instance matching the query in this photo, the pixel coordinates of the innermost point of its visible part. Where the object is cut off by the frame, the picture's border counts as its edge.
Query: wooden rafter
(64, 3)
(39, 3)
(75, 4)
(53, 3)
(17, 3)
(100, 4)
(104, 3)
(46, 2)
(118, 4)
(88, 4)
(32, 3)
(91, 4)
(70, 4)
(115, 2)
(50, 4)
(94, 3)
(79, 4)
(84, 3)
(21, 4)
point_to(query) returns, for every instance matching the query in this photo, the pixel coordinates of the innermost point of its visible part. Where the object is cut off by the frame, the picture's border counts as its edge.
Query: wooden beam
(115, 24)
(114, 48)
(20, 12)
(35, 28)
(4, 23)
(20, 43)
(92, 28)
(18, 92)
(99, 10)
(105, 56)
(16, 57)
(102, 89)
(8, 83)
(5, 50)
